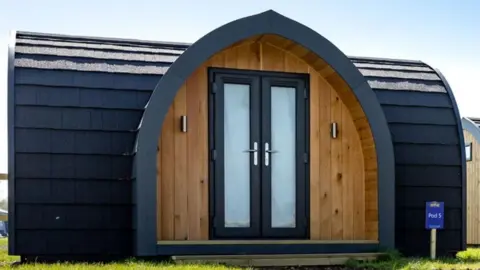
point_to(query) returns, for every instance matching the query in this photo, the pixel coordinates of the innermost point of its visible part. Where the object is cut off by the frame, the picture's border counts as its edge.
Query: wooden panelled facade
(343, 174)
(473, 190)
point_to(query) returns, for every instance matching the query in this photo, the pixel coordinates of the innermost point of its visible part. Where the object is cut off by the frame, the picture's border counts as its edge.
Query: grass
(464, 260)
(468, 259)
(4, 258)
(6, 263)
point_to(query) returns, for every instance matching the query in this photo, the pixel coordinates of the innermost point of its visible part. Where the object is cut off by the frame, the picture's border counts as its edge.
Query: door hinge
(214, 87)
(214, 222)
(305, 94)
(305, 157)
(213, 154)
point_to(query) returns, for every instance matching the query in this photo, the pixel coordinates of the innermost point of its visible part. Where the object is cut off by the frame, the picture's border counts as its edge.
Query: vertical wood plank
(194, 138)
(315, 195)
(201, 110)
(356, 159)
(218, 60)
(273, 59)
(337, 177)
(260, 53)
(181, 166)
(168, 175)
(231, 57)
(255, 58)
(244, 55)
(348, 138)
(324, 99)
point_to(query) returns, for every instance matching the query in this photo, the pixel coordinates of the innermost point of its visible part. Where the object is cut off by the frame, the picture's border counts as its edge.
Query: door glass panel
(237, 160)
(283, 167)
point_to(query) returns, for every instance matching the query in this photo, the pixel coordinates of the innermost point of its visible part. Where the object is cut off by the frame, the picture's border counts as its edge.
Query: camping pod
(261, 137)
(471, 132)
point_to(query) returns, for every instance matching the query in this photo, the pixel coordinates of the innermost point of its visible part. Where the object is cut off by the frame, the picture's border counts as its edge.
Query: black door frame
(260, 224)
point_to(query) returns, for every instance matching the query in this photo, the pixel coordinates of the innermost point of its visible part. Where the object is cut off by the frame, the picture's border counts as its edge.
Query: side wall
(473, 191)
(428, 165)
(74, 132)
(343, 190)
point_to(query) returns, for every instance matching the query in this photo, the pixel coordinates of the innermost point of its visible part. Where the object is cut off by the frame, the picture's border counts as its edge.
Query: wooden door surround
(343, 181)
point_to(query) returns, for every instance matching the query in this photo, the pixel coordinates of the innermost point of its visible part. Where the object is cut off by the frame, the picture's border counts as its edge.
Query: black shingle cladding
(79, 101)
(424, 131)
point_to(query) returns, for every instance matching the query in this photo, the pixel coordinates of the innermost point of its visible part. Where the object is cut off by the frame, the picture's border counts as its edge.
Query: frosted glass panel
(283, 161)
(237, 161)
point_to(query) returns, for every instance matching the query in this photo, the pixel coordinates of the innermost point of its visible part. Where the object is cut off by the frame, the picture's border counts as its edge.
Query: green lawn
(6, 261)
(466, 260)
(469, 259)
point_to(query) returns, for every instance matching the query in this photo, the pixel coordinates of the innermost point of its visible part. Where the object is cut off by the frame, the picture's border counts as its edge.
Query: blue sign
(434, 215)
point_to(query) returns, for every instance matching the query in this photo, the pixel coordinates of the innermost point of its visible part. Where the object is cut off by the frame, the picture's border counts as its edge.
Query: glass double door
(259, 155)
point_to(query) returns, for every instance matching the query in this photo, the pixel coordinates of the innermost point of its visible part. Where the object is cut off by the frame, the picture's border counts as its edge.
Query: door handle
(255, 153)
(267, 153)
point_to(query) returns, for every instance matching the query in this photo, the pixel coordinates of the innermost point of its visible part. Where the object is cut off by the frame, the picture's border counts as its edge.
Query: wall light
(183, 121)
(333, 130)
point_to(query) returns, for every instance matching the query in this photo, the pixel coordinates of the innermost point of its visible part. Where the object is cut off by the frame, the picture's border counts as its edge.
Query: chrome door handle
(255, 153)
(267, 153)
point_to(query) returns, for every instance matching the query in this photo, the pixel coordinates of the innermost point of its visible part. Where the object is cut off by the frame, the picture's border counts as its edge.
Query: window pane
(283, 161)
(237, 161)
(468, 151)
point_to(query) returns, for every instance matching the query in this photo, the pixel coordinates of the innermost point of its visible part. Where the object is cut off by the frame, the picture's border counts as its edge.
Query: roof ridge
(97, 39)
(183, 45)
(379, 60)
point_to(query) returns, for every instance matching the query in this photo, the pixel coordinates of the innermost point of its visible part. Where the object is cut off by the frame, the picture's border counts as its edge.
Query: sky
(443, 33)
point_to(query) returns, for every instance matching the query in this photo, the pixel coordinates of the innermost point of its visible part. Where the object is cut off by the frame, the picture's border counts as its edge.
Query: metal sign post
(434, 219)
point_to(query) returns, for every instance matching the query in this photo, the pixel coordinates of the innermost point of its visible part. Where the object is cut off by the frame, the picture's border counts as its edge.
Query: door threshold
(277, 259)
(263, 242)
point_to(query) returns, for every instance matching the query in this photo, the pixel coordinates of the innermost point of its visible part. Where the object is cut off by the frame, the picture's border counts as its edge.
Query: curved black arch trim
(268, 22)
(11, 142)
(461, 143)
